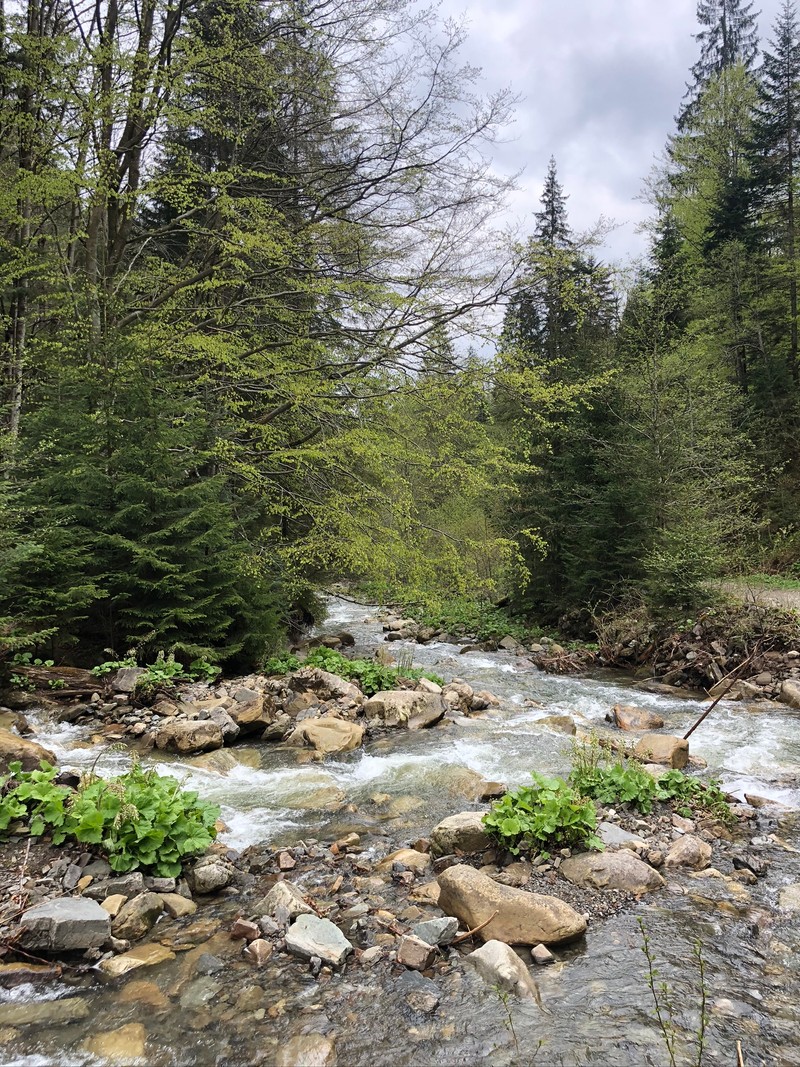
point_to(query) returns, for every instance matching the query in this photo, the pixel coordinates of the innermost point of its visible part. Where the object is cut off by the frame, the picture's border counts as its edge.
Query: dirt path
(769, 596)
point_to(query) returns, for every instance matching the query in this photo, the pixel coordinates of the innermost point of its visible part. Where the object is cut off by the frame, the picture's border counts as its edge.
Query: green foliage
(163, 673)
(614, 778)
(372, 677)
(463, 615)
(282, 664)
(139, 819)
(549, 814)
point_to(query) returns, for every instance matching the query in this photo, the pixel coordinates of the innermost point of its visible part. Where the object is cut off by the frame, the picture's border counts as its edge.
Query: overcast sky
(602, 81)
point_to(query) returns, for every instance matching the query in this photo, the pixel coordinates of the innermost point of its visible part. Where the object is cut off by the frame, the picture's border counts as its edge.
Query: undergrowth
(138, 819)
(371, 677)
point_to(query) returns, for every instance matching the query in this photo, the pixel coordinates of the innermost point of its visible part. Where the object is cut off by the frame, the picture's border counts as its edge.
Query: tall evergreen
(552, 227)
(776, 150)
(729, 36)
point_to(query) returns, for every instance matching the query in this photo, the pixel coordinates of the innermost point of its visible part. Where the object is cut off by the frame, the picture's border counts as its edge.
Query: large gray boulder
(463, 832)
(516, 917)
(501, 968)
(311, 936)
(65, 925)
(325, 686)
(405, 707)
(612, 870)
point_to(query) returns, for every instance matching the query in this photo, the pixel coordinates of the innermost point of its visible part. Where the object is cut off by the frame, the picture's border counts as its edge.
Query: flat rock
(327, 735)
(307, 1050)
(630, 717)
(517, 917)
(688, 851)
(141, 956)
(415, 953)
(663, 748)
(464, 831)
(562, 724)
(44, 1012)
(311, 936)
(611, 870)
(122, 1046)
(500, 967)
(612, 835)
(409, 857)
(66, 924)
(405, 707)
(178, 907)
(789, 898)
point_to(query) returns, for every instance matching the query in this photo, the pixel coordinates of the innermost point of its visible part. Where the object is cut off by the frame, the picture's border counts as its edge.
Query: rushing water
(597, 1006)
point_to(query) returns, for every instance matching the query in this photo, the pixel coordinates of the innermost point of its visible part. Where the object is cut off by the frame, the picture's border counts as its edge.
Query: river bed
(596, 1005)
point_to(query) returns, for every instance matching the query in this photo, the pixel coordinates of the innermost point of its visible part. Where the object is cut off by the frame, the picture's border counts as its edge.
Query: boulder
(122, 1046)
(286, 897)
(500, 967)
(790, 693)
(611, 870)
(464, 832)
(254, 714)
(311, 936)
(326, 686)
(663, 748)
(517, 917)
(66, 924)
(405, 707)
(187, 738)
(124, 681)
(327, 735)
(229, 727)
(614, 836)
(13, 747)
(425, 685)
(629, 717)
(137, 916)
(688, 851)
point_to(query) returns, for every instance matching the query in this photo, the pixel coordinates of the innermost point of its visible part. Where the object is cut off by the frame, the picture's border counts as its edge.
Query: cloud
(602, 81)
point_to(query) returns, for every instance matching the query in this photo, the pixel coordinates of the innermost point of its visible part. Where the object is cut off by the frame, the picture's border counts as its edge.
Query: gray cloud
(602, 81)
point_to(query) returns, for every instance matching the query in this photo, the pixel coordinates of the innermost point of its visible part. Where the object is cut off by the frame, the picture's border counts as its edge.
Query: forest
(263, 329)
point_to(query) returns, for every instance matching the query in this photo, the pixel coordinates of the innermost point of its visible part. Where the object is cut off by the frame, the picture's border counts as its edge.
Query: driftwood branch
(476, 930)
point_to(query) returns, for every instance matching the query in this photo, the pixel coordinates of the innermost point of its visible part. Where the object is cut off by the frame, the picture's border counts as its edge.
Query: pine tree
(729, 36)
(776, 151)
(552, 228)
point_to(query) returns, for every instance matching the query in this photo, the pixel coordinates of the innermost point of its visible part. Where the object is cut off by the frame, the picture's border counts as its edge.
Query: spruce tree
(729, 36)
(776, 152)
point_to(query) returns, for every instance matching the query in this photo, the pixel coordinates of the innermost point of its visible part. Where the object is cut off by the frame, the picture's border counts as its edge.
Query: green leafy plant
(25, 659)
(21, 681)
(371, 676)
(616, 778)
(548, 814)
(139, 819)
(282, 664)
(164, 673)
(57, 683)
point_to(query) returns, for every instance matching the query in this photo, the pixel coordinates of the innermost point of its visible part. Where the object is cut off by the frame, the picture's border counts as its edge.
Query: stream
(596, 1004)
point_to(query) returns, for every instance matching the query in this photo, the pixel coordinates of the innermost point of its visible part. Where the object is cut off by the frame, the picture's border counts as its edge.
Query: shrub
(164, 673)
(548, 814)
(139, 819)
(372, 677)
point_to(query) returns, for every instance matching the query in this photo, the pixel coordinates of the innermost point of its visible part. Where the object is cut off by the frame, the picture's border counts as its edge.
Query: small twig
(477, 930)
(739, 1056)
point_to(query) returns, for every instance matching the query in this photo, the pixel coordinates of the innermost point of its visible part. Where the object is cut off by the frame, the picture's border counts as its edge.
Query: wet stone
(66, 924)
(436, 931)
(415, 953)
(208, 963)
(308, 1050)
(259, 951)
(311, 936)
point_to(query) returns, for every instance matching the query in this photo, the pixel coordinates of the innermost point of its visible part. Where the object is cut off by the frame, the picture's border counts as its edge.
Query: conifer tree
(729, 36)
